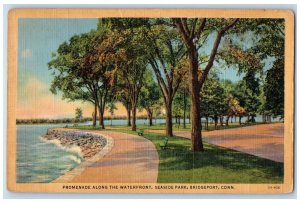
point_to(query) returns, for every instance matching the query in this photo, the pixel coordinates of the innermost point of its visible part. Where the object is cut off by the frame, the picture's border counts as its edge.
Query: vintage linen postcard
(150, 101)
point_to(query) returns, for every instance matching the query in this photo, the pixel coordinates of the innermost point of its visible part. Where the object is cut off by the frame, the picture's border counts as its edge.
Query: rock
(89, 143)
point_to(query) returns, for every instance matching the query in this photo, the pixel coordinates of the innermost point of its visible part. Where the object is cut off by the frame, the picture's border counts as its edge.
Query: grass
(178, 164)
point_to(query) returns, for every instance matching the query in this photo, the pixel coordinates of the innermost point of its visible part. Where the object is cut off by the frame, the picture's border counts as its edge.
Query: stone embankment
(89, 143)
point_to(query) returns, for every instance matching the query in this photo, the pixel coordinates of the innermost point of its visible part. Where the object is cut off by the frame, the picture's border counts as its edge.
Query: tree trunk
(227, 120)
(240, 120)
(150, 120)
(221, 120)
(133, 128)
(196, 135)
(206, 124)
(184, 109)
(231, 119)
(128, 116)
(169, 126)
(263, 117)
(184, 120)
(149, 113)
(101, 118)
(252, 119)
(95, 115)
(216, 122)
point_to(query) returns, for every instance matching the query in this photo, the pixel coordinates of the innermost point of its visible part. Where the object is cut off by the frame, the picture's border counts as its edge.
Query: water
(40, 161)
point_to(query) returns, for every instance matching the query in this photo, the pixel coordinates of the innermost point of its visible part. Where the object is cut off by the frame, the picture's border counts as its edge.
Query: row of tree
(143, 63)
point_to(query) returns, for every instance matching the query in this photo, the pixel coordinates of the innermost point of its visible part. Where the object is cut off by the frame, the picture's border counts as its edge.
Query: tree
(183, 91)
(274, 89)
(272, 31)
(84, 68)
(192, 31)
(212, 100)
(248, 99)
(169, 65)
(78, 114)
(124, 97)
(66, 66)
(233, 108)
(157, 109)
(111, 107)
(252, 61)
(149, 95)
(181, 104)
(132, 70)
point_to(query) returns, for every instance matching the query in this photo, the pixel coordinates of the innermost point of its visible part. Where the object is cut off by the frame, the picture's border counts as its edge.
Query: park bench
(164, 145)
(141, 132)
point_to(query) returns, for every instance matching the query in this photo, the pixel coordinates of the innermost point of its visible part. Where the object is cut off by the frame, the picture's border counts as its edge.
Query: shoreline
(83, 140)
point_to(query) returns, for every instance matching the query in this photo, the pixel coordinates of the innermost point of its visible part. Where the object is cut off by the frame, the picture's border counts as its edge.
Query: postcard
(150, 101)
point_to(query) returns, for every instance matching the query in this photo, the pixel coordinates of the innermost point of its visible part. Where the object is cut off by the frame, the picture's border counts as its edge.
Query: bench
(141, 132)
(164, 145)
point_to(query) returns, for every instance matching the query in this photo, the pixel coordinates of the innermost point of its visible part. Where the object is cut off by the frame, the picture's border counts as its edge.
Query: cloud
(26, 53)
(34, 100)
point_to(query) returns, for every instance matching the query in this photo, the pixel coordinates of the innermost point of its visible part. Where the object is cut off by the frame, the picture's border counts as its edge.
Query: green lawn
(177, 164)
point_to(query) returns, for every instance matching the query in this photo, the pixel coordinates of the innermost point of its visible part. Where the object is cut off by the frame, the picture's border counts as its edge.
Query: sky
(37, 40)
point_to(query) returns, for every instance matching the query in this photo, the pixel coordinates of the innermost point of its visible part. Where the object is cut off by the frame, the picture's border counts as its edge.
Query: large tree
(169, 64)
(194, 31)
(66, 64)
(84, 68)
(131, 71)
(272, 30)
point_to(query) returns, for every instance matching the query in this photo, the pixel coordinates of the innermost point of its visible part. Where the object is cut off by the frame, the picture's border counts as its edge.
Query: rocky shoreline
(89, 143)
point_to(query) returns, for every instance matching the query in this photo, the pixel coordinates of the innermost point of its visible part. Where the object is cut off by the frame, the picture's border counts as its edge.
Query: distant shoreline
(70, 120)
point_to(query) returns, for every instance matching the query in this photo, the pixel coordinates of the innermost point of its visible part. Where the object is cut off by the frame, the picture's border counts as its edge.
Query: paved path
(132, 159)
(264, 140)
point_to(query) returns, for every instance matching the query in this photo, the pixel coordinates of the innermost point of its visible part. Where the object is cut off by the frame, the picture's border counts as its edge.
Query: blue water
(39, 161)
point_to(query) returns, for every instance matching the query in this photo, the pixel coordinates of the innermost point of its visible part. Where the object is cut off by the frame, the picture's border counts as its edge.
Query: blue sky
(37, 40)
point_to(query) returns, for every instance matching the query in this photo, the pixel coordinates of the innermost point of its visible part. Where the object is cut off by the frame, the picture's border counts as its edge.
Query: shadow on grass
(215, 165)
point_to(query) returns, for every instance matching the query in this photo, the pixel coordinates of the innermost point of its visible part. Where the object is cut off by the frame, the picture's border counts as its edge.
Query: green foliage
(274, 90)
(212, 98)
(78, 114)
(150, 92)
(247, 98)
(271, 44)
(114, 61)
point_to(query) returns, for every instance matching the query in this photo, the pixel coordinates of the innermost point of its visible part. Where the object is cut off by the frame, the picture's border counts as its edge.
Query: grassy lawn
(177, 164)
